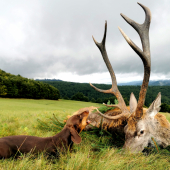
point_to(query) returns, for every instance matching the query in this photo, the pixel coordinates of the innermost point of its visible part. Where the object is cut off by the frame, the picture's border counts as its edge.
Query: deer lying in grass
(14, 145)
(143, 128)
(114, 126)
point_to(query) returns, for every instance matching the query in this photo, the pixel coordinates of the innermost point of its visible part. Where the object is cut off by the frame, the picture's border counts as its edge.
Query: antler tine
(112, 105)
(114, 90)
(113, 117)
(143, 31)
(102, 49)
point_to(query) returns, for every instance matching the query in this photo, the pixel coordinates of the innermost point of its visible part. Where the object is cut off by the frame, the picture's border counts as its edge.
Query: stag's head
(143, 128)
(149, 130)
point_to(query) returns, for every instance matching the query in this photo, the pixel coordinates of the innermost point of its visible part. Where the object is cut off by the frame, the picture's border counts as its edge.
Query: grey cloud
(57, 37)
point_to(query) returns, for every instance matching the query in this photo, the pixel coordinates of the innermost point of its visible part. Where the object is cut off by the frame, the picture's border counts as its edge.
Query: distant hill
(151, 83)
(160, 83)
(132, 83)
(48, 80)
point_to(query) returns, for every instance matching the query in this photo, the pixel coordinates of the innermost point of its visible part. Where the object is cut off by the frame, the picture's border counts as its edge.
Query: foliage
(116, 101)
(104, 109)
(93, 100)
(53, 125)
(99, 100)
(3, 89)
(19, 87)
(165, 107)
(69, 89)
(126, 101)
(79, 97)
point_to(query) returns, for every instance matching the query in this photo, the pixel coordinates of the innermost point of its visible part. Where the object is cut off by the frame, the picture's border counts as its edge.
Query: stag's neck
(164, 134)
(160, 130)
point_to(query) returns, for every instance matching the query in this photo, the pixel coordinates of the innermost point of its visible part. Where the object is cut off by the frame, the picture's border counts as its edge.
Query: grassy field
(19, 116)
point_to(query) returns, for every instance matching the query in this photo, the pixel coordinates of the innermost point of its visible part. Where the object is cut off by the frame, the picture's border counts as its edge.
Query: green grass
(19, 116)
(95, 152)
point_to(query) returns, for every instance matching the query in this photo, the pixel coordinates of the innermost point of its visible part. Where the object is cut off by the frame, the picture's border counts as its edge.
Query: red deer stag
(141, 125)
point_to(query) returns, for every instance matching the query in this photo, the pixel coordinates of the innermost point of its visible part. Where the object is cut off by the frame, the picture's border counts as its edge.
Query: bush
(80, 97)
(93, 100)
(99, 100)
(165, 107)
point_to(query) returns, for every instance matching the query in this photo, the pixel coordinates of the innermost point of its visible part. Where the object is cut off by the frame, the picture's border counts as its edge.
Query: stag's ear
(74, 135)
(132, 103)
(154, 108)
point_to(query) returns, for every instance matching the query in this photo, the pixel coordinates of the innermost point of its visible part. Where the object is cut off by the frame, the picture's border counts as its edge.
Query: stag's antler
(143, 31)
(114, 90)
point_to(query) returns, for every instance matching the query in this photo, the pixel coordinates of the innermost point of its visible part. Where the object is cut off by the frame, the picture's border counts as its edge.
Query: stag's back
(113, 126)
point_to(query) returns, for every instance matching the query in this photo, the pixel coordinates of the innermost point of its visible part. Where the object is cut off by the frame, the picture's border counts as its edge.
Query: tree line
(13, 86)
(84, 92)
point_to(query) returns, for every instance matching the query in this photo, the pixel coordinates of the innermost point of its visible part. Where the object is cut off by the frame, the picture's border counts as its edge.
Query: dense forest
(13, 86)
(84, 92)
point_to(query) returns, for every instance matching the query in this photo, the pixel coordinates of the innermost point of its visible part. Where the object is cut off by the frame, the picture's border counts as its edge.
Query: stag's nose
(88, 122)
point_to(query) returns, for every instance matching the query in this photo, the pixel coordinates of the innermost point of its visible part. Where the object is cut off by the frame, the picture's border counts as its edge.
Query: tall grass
(96, 151)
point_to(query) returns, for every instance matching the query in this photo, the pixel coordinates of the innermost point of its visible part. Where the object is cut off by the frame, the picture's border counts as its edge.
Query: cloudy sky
(53, 39)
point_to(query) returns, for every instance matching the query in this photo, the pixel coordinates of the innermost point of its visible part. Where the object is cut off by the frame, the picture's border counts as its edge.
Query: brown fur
(89, 109)
(118, 122)
(132, 121)
(12, 145)
(162, 120)
(131, 124)
(113, 126)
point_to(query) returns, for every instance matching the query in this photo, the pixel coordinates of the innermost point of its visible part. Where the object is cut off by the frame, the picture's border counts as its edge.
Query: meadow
(96, 151)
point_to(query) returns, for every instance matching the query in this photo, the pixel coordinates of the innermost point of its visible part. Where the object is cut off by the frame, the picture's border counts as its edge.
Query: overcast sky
(53, 39)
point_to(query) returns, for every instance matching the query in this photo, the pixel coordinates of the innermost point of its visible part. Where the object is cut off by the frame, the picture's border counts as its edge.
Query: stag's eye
(142, 132)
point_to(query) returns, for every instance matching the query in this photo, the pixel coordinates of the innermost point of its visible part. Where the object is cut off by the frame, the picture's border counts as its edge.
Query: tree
(80, 97)
(165, 107)
(98, 100)
(126, 101)
(93, 100)
(18, 86)
(3, 90)
(66, 98)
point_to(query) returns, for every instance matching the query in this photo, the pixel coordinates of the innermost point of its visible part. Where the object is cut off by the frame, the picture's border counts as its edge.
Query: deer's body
(142, 128)
(112, 126)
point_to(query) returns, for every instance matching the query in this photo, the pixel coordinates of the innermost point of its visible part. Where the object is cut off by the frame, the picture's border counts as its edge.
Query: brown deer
(143, 128)
(14, 145)
(114, 126)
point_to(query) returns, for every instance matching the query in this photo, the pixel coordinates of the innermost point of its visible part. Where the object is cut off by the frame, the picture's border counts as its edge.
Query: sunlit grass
(19, 116)
(167, 116)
